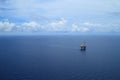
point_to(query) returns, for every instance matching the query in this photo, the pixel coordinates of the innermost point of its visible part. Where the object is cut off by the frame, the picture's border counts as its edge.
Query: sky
(82, 16)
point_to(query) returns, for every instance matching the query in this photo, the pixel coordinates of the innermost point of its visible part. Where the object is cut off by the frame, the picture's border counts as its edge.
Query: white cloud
(29, 26)
(58, 25)
(87, 24)
(75, 27)
(78, 28)
(85, 29)
(95, 27)
(6, 26)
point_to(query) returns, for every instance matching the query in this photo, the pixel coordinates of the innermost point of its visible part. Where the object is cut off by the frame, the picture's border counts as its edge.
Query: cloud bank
(57, 26)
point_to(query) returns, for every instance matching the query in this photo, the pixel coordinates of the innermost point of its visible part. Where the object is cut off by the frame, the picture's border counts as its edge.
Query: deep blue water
(59, 58)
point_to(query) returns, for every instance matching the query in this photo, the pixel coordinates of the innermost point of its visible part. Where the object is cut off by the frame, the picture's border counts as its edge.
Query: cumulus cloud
(61, 22)
(36, 27)
(85, 29)
(58, 25)
(29, 26)
(78, 28)
(95, 27)
(75, 27)
(6, 26)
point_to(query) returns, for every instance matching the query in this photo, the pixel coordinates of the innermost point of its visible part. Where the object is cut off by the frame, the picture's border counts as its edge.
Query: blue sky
(82, 16)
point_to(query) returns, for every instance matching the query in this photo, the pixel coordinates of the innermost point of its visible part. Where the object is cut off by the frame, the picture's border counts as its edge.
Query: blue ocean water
(59, 57)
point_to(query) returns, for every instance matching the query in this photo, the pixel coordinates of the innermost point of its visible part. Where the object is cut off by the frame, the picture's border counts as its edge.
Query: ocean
(58, 57)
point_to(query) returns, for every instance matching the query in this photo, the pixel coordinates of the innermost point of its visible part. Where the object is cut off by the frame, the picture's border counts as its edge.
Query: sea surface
(58, 57)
